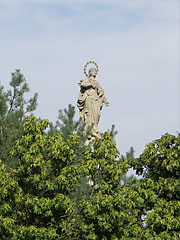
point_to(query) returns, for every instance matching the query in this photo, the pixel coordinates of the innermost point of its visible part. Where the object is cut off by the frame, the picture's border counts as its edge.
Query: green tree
(36, 197)
(126, 178)
(14, 110)
(38, 206)
(113, 132)
(66, 124)
(159, 189)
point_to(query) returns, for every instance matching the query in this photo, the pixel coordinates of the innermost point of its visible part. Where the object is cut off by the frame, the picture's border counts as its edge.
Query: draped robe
(90, 102)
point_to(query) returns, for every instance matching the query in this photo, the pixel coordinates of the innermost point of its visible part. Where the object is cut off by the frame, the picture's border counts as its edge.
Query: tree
(14, 110)
(67, 125)
(125, 178)
(36, 196)
(113, 132)
(38, 206)
(160, 188)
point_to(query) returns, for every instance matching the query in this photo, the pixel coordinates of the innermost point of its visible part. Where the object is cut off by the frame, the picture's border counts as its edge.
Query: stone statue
(91, 100)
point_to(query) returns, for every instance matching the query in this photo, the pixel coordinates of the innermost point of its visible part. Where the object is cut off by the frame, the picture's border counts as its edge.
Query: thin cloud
(85, 17)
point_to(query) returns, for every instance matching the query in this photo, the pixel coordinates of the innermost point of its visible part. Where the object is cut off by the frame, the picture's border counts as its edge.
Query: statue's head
(92, 72)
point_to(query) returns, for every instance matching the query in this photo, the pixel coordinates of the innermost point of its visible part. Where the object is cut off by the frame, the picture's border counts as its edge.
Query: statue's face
(92, 72)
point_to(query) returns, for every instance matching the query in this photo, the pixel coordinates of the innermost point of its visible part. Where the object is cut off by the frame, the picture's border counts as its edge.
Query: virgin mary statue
(90, 101)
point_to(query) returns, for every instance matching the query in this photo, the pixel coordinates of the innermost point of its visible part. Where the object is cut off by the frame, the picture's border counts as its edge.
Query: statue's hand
(107, 104)
(79, 83)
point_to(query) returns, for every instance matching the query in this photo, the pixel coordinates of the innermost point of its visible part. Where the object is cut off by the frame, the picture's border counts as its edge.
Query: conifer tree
(14, 110)
(113, 132)
(66, 123)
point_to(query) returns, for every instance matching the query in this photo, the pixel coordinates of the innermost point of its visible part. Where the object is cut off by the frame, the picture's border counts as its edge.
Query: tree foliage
(36, 196)
(160, 166)
(66, 123)
(62, 189)
(14, 109)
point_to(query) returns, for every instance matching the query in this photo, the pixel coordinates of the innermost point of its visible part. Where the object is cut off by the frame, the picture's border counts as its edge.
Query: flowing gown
(90, 102)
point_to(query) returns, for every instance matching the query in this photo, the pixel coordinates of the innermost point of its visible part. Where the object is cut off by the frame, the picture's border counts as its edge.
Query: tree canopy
(53, 186)
(38, 201)
(36, 197)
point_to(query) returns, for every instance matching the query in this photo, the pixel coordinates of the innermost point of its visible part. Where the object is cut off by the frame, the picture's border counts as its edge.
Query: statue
(91, 100)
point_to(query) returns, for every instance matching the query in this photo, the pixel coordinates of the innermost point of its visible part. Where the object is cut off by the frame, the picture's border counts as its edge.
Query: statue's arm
(85, 83)
(105, 101)
(101, 94)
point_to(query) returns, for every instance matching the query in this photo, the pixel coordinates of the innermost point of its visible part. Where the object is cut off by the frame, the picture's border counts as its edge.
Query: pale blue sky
(135, 42)
(75, 17)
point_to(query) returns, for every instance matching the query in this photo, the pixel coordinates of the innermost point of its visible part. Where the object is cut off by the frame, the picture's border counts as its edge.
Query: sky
(134, 42)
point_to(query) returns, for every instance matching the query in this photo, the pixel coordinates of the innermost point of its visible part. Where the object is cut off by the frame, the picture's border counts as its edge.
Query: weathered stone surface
(90, 101)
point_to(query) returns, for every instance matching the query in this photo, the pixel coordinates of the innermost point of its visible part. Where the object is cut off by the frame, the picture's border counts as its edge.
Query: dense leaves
(39, 196)
(36, 199)
(160, 165)
(60, 188)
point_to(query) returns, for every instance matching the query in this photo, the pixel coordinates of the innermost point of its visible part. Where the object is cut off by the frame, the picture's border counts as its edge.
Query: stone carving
(91, 100)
